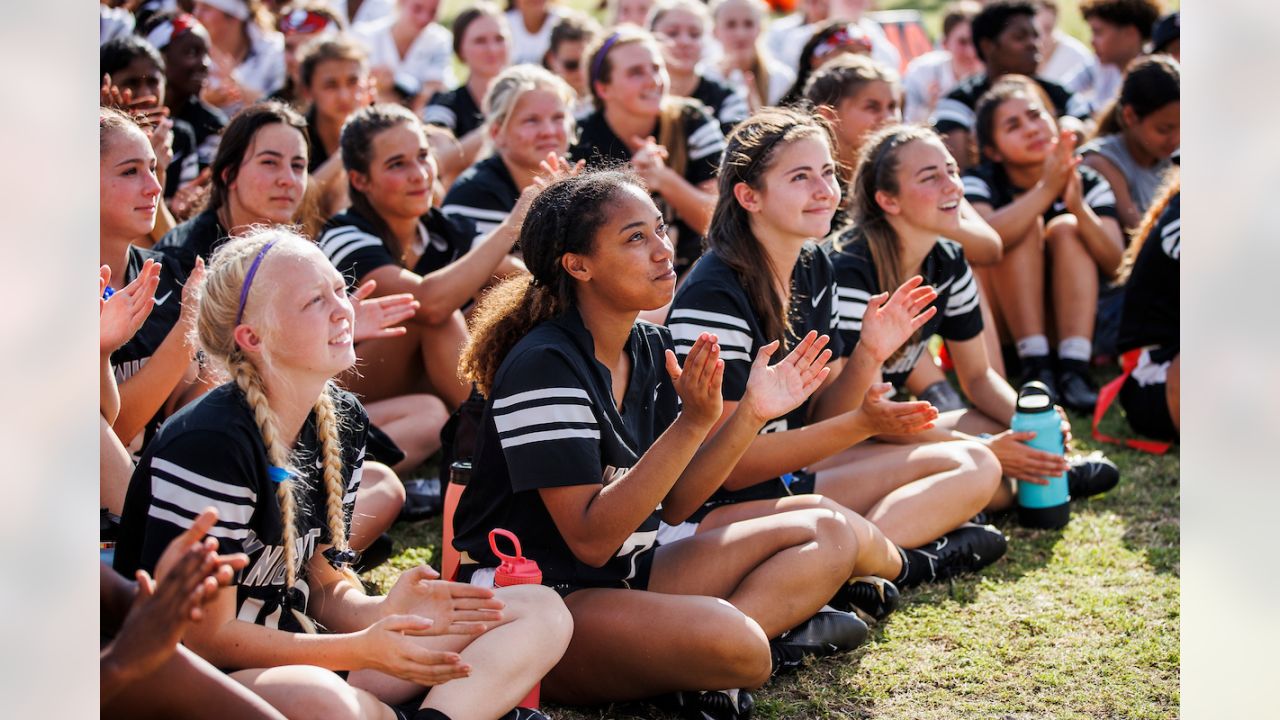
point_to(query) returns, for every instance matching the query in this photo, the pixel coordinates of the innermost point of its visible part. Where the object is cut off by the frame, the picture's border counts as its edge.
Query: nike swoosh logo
(160, 300)
(818, 298)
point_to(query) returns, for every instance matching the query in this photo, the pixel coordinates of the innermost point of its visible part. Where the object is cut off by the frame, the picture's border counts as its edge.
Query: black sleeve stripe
(440, 115)
(976, 189)
(185, 522)
(1100, 195)
(732, 332)
(954, 112)
(1171, 239)
(705, 141)
(851, 306)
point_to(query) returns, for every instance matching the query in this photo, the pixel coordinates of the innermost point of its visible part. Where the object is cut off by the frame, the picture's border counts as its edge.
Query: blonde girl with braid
(278, 451)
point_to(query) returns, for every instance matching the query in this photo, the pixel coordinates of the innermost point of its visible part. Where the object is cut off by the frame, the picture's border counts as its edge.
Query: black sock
(917, 569)
(430, 714)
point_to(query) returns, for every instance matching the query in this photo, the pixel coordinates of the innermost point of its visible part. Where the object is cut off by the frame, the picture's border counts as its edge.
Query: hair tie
(278, 474)
(169, 30)
(303, 21)
(604, 50)
(248, 279)
(849, 34)
(340, 559)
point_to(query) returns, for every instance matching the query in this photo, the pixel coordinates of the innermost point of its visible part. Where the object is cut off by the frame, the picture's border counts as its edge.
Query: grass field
(1079, 623)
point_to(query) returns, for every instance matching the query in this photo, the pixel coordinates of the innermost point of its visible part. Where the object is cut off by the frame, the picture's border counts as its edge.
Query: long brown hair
(1150, 83)
(563, 218)
(750, 152)
(878, 172)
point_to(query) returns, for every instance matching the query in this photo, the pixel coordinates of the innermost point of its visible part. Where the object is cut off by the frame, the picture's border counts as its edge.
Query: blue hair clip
(278, 474)
(107, 292)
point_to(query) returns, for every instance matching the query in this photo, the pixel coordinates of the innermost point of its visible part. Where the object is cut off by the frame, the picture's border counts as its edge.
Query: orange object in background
(783, 6)
(905, 29)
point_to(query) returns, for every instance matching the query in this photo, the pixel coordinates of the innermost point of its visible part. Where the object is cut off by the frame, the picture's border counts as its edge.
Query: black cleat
(1076, 391)
(709, 704)
(870, 598)
(422, 499)
(1040, 369)
(1091, 475)
(966, 549)
(524, 713)
(943, 397)
(378, 552)
(828, 632)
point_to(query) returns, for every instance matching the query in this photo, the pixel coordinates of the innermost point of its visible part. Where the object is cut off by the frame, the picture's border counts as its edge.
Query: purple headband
(604, 50)
(248, 279)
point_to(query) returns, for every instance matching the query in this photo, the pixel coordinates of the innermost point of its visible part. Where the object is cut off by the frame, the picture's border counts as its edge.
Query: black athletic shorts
(1143, 396)
(644, 567)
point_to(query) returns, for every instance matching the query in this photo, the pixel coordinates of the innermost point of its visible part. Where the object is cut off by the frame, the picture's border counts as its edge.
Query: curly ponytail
(563, 218)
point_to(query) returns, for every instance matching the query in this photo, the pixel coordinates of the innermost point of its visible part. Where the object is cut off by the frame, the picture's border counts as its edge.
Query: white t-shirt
(781, 78)
(932, 67)
(368, 11)
(428, 58)
(1071, 62)
(527, 47)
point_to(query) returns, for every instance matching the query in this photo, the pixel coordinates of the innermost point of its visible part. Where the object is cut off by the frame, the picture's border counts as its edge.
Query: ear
(247, 339)
(1127, 116)
(577, 266)
(358, 180)
(888, 203)
(747, 197)
(829, 113)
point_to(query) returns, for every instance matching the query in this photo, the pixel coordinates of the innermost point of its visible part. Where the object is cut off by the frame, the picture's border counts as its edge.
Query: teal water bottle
(1041, 506)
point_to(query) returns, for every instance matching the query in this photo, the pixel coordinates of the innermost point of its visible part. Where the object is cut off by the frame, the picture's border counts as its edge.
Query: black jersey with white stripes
(551, 421)
(1151, 300)
(704, 145)
(210, 453)
(454, 109)
(712, 299)
(959, 315)
(989, 183)
(957, 110)
(727, 104)
(352, 244)
(483, 195)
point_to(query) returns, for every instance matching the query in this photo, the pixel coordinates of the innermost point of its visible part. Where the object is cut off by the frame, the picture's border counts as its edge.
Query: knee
(544, 611)
(322, 695)
(383, 481)
(740, 649)
(980, 466)
(1062, 234)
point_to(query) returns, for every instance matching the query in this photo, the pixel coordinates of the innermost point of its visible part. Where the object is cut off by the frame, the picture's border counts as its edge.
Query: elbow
(435, 312)
(594, 554)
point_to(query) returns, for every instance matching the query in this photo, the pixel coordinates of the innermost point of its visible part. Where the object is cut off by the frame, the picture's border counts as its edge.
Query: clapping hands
(889, 321)
(775, 390)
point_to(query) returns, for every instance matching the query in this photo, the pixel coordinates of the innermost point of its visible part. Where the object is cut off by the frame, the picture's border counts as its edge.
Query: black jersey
(454, 109)
(600, 147)
(129, 358)
(185, 164)
(207, 122)
(551, 422)
(197, 237)
(483, 195)
(210, 453)
(727, 104)
(713, 300)
(352, 244)
(959, 315)
(989, 183)
(1151, 299)
(956, 110)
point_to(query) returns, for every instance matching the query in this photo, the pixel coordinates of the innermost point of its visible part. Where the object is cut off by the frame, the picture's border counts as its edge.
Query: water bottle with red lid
(513, 569)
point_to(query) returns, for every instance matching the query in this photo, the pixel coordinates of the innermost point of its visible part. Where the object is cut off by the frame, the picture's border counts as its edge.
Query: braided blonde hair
(215, 327)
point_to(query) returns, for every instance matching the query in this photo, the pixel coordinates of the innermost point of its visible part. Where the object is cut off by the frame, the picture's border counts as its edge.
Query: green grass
(1078, 623)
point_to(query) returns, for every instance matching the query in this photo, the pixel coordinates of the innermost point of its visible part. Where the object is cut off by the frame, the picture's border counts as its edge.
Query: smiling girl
(528, 120)
(907, 200)
(279, 451)
(1032, 190)
(744, 61)
(680, 25)
(674, 145)
(764, 280)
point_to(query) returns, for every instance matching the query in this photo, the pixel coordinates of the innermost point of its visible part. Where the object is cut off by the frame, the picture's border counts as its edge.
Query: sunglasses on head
(303, 21)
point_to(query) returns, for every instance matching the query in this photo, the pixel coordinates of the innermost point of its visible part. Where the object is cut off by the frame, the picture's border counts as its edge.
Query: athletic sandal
(1090, 475)
(870, 598)
(708, 704)
(966, 549)
(828, 632)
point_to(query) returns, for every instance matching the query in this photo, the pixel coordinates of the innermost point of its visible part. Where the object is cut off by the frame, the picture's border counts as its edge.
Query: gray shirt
(1143, 182)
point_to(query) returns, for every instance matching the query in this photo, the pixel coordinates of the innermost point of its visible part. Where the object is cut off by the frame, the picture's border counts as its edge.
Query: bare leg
(1075, 280)
(631, 644)
(424, 359)
(924, 374)
(975, 422)
(506, 661)
(378, 503)
(306, 691)
(413, 422)
(876, 555)
(1018, 284)
(1171, 392)
(913, 493)
(187, 686)
(115, 468)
